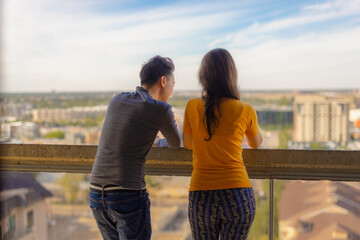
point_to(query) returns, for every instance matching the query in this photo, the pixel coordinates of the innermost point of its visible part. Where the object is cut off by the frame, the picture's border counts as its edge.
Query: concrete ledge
(261, 163)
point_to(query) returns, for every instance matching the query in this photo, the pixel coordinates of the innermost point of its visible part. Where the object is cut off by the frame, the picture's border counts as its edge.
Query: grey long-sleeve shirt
(132, 122)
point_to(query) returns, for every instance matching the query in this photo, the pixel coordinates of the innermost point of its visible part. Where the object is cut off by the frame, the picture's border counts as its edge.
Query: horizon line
(184, 90)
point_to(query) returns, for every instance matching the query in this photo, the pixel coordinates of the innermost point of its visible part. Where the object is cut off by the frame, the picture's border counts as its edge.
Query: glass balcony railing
(300, 194)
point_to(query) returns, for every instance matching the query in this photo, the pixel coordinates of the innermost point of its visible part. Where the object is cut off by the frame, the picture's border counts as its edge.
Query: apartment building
(67, 114)
(319, 118)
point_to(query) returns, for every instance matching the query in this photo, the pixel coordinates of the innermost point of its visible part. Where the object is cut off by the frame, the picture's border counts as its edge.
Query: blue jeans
(122, 214)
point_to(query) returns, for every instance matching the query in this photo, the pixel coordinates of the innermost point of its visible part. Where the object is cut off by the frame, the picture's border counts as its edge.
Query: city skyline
(100, 45)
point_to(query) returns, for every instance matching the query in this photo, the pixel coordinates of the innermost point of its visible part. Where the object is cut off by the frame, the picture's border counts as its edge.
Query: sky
(100, 45)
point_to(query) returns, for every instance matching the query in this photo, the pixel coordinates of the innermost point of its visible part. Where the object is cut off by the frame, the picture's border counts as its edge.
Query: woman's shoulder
(247, 105)
(239, 103)
(240, 107)
(194, 101)
(198, 99)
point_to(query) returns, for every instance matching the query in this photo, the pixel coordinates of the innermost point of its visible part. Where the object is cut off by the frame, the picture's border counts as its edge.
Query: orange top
(218, 163)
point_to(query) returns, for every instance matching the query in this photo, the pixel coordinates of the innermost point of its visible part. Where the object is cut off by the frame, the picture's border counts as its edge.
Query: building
(75, 138)
(23, 213)
(355, 116)
(14, 111)
(319, 210)
(51, 115)
(320, 118)
(92, 137)
(275, 115)
(68, 114)
(20, 130)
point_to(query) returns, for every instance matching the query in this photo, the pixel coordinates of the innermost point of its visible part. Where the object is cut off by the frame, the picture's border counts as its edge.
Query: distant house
(20, 130)
(319, 210)
(22, 207)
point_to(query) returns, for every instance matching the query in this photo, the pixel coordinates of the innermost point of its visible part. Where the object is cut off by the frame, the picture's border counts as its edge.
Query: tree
(284, 138)
(317, 146)
(70, 183)
(57, 134)
(151, 183)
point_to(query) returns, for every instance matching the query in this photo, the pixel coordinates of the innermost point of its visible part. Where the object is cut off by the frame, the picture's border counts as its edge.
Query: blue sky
(90, 45)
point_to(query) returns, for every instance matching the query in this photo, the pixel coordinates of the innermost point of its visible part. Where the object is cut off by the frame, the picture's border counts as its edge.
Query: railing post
(271, 209)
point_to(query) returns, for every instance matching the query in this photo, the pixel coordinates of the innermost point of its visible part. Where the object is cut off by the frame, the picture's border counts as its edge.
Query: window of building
(342, 108)
(11, 225)
(307, 226)
(299, 106)
(30, 220)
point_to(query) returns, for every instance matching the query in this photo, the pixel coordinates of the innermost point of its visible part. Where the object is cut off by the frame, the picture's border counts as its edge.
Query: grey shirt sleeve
(169, 129)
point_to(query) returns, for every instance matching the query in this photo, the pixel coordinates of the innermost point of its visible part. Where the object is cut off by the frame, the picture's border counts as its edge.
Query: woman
(221, 199)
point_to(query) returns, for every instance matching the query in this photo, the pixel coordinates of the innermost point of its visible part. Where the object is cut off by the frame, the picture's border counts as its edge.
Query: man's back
(131, 125)
(118, 197)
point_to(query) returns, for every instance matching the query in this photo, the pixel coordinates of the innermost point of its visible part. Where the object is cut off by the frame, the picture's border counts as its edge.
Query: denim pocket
(95, 211)
(99, 218)
(128, 223)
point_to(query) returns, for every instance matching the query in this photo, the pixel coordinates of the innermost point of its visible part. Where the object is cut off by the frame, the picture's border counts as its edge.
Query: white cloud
(345, 7)
(328, 60)
(65, 46)
(64, 49)
(309, 15)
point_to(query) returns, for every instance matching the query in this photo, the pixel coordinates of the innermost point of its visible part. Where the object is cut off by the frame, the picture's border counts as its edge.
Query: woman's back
(221, 199)
(218, 162)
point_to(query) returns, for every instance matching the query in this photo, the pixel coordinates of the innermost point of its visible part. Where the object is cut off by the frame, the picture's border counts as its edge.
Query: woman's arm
(255, 141)
(187, 140)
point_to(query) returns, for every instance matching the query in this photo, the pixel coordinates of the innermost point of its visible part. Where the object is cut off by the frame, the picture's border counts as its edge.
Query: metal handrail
(339, 165)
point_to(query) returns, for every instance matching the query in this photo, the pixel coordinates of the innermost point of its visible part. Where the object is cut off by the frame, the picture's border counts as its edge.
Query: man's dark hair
(155, 68)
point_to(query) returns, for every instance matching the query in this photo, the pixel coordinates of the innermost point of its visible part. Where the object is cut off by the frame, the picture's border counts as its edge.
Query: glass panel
(317, 210)
(56, 206)
(169, 207)
(50, 206)
(260, 227)
(46, 206)
(169, 196)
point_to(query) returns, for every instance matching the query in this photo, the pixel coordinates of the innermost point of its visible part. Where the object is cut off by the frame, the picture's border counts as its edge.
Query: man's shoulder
(122, 95)
(137, 99)
(125, 94)
(161, 105)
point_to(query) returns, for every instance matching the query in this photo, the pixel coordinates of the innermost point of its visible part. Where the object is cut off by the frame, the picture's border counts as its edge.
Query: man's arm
(169, 129)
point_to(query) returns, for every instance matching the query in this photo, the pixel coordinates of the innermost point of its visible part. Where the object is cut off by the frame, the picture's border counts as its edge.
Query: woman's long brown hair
(218, 78)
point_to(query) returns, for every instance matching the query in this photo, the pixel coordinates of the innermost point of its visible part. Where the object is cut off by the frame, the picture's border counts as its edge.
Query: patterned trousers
(224, 213)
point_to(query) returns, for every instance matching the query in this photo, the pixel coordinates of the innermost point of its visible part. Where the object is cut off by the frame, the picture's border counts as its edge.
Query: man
(118, 197)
